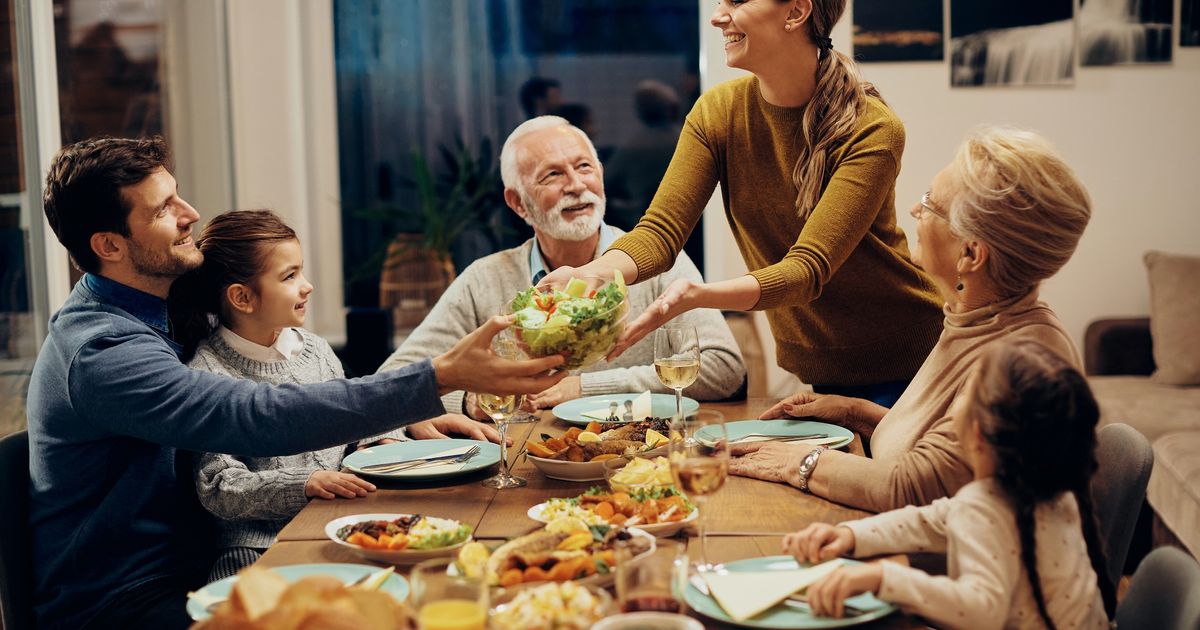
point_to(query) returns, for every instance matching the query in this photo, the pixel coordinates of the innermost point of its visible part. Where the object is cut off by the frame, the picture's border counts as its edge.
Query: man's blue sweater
(110, 402)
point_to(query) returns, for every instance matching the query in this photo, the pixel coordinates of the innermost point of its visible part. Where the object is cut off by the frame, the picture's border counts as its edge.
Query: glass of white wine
(500, 408)
(699, 459)
(677, 359)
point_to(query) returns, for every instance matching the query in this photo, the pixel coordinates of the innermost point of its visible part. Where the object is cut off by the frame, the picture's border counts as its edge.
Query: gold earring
(959, 286)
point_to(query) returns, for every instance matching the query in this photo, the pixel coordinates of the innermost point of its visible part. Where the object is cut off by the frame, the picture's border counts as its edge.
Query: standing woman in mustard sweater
(806, 154)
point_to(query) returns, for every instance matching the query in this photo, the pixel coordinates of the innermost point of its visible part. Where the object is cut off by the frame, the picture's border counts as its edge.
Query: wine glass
(699, 460)
(447, 600)
(500, 408)
(677, 359)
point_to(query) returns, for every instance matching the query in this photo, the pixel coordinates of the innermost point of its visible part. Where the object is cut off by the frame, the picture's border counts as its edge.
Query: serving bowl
(583, 340)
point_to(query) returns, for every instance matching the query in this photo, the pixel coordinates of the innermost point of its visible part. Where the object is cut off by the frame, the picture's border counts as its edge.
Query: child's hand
(828, 596)
(330, 484)
(819, 542)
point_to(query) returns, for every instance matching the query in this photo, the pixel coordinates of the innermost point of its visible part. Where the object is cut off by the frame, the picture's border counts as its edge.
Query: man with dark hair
(540, 96)
(110, 404)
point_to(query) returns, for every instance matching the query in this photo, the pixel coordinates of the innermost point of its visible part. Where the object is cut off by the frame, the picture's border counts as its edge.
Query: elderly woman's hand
(856, 414)
(768, 461)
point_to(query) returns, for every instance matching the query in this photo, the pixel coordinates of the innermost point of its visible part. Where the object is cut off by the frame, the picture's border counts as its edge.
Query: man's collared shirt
(151, 310)
(537, 265)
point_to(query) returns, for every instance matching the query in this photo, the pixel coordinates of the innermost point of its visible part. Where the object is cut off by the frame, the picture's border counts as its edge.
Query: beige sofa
(1119, 363)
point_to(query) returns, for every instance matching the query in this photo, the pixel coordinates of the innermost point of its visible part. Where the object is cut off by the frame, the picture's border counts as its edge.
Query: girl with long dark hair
(1022, 537)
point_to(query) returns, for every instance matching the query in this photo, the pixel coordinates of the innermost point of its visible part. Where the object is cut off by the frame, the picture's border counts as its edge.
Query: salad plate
(197, 602)
(489, 455)
(746, 431)
(429, 537)
(782, 616)
(661, 406)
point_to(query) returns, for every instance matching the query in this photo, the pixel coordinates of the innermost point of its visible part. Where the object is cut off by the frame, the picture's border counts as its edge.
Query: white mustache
(586, 196)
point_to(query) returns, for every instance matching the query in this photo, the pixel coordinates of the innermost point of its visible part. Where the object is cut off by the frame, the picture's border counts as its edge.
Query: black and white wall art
(887, 30)
(1012, 42)
(1125, 31)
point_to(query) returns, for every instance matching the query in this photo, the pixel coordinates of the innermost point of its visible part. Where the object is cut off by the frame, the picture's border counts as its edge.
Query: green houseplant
(416, 266)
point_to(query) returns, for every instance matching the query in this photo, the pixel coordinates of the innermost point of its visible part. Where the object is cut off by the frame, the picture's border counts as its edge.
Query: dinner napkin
(745, 594)
(642, 408)
(440, 468)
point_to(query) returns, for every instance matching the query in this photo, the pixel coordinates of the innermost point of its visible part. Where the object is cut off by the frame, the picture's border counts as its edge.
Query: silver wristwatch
(807, 466)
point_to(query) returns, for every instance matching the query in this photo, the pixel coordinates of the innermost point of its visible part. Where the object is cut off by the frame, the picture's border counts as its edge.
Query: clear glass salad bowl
(582, 325)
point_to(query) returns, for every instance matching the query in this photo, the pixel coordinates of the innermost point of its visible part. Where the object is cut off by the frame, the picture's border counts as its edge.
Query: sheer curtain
(416, 74)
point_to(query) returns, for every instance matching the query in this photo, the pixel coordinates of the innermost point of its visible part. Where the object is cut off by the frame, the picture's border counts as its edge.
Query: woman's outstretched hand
(676, 300)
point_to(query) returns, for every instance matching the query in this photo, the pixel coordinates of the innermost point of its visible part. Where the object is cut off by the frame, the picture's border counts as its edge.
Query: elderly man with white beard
(554, 181)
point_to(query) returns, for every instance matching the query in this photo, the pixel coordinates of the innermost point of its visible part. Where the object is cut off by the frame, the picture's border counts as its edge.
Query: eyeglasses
(927, 206)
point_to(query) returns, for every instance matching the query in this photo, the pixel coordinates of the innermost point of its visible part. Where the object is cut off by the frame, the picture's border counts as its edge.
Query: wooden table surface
(746, 518)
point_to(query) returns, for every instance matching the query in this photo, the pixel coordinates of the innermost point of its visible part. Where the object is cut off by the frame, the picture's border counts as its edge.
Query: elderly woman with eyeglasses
(1005, 215)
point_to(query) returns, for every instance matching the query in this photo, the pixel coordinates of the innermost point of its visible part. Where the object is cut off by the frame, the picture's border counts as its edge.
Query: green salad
(584, 326)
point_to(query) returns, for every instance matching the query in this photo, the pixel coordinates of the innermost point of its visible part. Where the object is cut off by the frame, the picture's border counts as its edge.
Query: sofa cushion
(1174, 490)
(1152, 408)
(1174, 325)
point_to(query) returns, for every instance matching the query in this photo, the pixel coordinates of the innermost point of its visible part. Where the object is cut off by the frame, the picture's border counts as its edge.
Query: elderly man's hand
(569, 388)
(768, 461)
(675, 301)
(453, 423)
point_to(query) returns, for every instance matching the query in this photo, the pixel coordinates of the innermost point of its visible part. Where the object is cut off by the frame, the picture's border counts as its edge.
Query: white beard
(556, 226)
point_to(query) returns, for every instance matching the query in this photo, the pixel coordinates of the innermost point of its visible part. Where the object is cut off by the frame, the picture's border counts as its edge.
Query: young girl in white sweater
(1019, 538)
(252, 283)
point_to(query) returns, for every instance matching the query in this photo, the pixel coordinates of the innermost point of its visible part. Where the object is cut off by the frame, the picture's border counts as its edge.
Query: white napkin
(642, 408)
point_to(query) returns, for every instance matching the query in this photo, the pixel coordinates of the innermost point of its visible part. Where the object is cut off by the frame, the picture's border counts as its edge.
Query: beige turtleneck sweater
(915, 456)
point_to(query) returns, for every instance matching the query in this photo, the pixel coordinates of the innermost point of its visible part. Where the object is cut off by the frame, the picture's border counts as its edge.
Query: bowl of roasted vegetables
(579, 454)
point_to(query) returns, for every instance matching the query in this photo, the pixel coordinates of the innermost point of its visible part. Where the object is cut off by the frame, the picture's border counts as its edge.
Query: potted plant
(416, 266)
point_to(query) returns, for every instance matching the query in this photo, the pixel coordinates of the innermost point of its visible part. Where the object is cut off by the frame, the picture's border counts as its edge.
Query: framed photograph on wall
(1113, 32)
(1012, 42)
(886, 30)
(1189, 23)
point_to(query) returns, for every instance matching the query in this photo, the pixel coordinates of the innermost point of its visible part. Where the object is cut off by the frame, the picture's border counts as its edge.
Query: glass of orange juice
(445, 600)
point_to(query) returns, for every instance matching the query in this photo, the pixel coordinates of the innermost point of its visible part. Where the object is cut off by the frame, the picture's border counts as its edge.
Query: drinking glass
(501, 407)
(445, 600)
(699, 456)
(677, 359)
(654, 582)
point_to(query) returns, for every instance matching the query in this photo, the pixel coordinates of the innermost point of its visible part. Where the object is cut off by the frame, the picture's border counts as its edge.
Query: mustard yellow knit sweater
(846, 304)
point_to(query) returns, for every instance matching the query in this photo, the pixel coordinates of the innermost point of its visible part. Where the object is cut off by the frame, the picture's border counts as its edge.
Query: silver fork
(401, 466)
(780, 438)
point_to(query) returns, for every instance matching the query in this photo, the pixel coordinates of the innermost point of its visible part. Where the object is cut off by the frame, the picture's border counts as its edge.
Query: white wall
(284, 135)
(1132, 133)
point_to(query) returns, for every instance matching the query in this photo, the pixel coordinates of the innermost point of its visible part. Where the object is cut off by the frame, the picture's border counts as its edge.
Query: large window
(441, 79)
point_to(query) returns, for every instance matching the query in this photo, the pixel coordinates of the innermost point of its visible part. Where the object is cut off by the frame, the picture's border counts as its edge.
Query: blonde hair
(1018, 195)
(832, 113)
(510, 171)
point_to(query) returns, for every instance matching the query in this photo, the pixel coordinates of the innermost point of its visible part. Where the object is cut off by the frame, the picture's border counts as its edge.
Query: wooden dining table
(747, 518)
